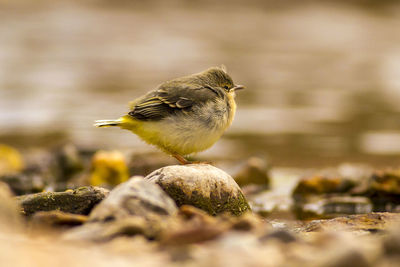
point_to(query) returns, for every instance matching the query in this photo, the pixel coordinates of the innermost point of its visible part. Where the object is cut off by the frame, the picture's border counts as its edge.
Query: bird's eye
(226, 87)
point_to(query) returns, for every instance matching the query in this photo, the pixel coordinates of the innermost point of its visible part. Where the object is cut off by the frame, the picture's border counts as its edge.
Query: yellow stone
(10, 160)
(108, 168)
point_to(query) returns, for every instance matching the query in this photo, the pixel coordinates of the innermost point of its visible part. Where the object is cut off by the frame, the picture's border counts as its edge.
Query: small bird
(185, 115)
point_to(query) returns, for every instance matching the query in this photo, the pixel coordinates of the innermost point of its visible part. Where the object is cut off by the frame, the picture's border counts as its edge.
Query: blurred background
(322, 77)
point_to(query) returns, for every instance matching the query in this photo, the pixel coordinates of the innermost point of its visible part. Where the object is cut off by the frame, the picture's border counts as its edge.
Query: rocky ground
(78, 208)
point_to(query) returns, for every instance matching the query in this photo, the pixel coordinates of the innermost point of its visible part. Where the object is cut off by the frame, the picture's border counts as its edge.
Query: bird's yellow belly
(186, 133)
(178, 138)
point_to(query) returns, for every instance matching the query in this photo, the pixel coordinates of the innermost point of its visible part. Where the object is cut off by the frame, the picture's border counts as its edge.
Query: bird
(185, 115)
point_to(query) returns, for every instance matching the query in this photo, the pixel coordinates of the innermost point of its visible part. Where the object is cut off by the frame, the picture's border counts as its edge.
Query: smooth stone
(77, 201)
(136, 197)
(203, 186)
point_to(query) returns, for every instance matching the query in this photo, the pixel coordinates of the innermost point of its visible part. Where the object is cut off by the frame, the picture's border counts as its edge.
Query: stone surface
(136, 207)
(78, 201)
(136, 197)
(202, 186)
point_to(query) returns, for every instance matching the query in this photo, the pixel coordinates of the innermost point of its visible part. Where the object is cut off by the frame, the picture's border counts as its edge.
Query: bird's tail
(107, 123)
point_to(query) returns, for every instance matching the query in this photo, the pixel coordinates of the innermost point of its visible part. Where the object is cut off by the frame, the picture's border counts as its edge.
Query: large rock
(136, 197)
(136, 207)
(202, 186)
(78, 201)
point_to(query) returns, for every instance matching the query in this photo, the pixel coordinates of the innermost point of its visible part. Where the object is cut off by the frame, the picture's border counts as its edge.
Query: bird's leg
(184, 161)
(181, 159)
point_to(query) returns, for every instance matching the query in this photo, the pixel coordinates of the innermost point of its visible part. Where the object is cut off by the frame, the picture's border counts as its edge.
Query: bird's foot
(181, 159)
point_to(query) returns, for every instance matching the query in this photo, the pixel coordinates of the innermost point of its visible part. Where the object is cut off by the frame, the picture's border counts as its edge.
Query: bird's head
(218, 77)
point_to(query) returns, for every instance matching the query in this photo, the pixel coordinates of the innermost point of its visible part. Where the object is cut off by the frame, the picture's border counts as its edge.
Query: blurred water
(323, 81)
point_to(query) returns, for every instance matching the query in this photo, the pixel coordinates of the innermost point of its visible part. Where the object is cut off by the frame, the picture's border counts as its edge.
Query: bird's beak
(238, 87)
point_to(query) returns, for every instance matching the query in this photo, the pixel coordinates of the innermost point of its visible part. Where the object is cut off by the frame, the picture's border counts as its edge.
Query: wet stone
(136, 197)
(136, 207)
(78, 201)
(203, 186)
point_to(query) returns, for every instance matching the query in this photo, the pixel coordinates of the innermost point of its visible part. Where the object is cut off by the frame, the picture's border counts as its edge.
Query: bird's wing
(171, 99)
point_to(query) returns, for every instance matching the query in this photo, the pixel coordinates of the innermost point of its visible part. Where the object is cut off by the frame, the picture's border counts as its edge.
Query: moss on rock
(202, 186)
(78, 201)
